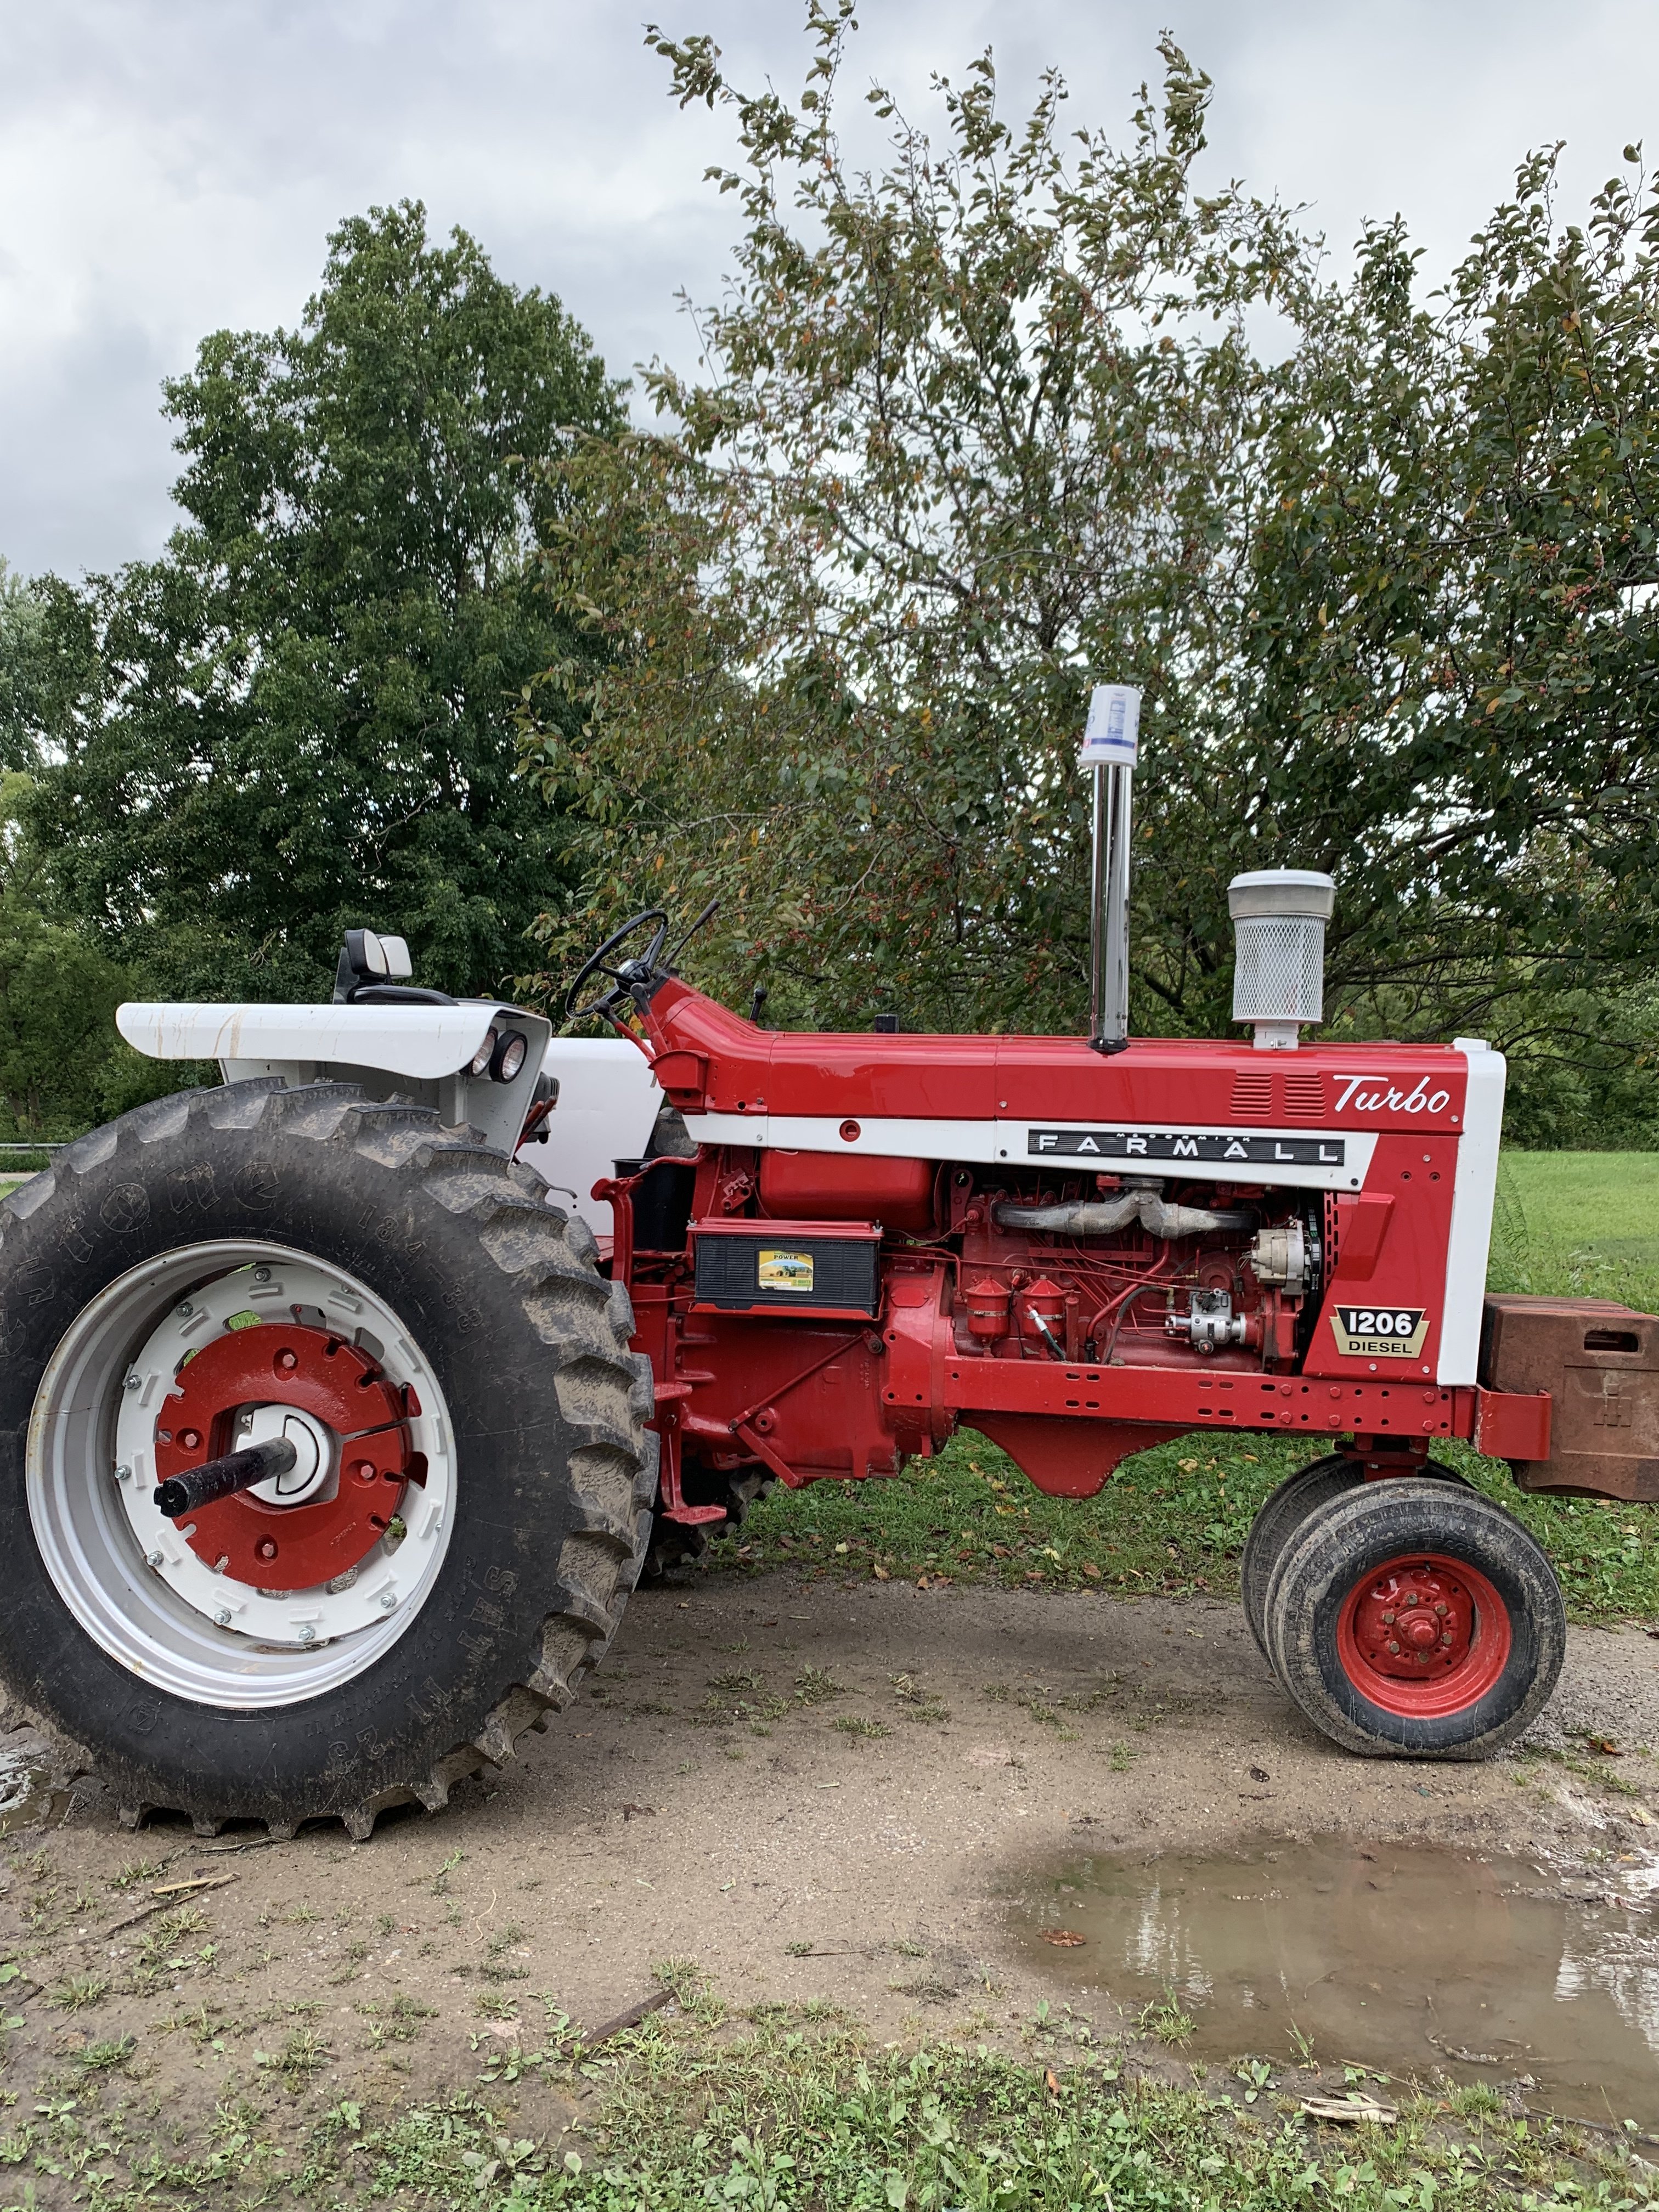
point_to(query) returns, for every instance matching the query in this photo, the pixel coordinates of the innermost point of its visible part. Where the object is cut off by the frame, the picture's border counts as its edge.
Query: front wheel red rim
(1424, 1636)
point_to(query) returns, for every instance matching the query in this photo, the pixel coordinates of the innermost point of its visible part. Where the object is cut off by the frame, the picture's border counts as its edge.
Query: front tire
(1280, 1515)
(1413, 1617)
(479, 1495)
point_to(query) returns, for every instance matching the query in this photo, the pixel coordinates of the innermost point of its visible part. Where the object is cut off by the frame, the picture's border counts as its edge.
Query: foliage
(783, 2111)
(300, 717)
(21, 622)
(991, 423)
(61, 1060)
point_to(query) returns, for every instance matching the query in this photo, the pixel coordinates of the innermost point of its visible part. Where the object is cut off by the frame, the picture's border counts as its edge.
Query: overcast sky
(171, 166)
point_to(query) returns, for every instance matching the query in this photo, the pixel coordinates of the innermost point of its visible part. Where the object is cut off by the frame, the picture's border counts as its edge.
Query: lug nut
(308, 1634)
(1411, 1598)
(185, 1309)
(262, 1274)
(1388, 1620)
(133, 1382)
(152, 1559)
(224, 1616)
(1441, 1610)
(388, 1599)
(265, 1548)
(123, 1475)
(1395, 1647)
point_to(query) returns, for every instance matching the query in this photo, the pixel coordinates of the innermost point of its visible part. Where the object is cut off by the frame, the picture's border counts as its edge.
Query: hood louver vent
(1253, 1095)
(1304, 1098)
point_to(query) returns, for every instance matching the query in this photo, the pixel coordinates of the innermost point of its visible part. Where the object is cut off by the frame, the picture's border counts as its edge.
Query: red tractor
(337, 1435)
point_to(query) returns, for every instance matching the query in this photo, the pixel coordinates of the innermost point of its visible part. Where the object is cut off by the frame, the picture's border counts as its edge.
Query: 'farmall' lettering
(1388, 1099)
(1188, 1145)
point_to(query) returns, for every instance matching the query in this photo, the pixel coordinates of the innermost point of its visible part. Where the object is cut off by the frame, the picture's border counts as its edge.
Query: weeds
(859, 1730)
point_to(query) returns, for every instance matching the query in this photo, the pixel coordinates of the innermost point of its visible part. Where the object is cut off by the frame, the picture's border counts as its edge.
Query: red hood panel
(1178, 1082)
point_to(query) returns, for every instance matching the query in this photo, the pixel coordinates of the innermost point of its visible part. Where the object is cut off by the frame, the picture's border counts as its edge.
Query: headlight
(486, 1052)
(510, 1049)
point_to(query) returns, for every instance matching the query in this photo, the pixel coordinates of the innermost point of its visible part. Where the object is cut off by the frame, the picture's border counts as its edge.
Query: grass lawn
(1175, 1519)
(783, 2107)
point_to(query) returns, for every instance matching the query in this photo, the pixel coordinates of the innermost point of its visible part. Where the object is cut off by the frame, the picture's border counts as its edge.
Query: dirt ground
(817, 1791)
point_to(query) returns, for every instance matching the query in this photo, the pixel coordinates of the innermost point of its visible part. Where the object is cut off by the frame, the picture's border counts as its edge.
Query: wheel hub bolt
(123, 1475)
(308, 1634)
(388, 1599)
(152, 1559)
(1441, 1610)
(1388, 1620)
(262, 1274)
(1411, 1597)
(224, 1616)
(1394, 1647)
(266, 1547)
(133, 1382)
(185, 1309)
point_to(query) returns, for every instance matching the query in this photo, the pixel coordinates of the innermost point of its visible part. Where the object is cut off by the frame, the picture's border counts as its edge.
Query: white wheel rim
(127, 1573)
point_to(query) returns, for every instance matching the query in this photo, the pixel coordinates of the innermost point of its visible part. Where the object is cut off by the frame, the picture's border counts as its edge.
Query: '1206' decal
(1380, 1332)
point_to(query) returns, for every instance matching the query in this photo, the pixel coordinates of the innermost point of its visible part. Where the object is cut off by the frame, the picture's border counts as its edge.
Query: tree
(988, 425)
(301, 716)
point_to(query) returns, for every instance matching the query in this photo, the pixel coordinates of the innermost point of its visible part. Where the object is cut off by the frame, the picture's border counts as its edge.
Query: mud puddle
(1404, 1958)
(29, 1793)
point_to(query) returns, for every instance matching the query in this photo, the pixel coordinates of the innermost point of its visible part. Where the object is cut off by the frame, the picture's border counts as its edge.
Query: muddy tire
(1281, 1515)
(439, 1338)
(1413, 1617)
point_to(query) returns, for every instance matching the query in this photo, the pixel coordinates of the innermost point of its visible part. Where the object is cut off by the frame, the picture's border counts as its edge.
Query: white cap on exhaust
(1279, 975)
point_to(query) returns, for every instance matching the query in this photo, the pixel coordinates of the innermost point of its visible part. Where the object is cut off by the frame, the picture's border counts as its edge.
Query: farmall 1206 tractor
(336, 1434)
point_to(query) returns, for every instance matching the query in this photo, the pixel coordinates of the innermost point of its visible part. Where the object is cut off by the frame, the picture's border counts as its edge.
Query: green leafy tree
(986, 425)
(301, 716)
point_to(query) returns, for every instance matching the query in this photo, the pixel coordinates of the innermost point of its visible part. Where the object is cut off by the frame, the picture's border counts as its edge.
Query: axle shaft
(222, 1477)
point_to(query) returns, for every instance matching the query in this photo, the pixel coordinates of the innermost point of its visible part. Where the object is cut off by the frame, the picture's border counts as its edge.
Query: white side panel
(608, 1102)
(1349, 1149)
(1473, 1192)
(422, 1042)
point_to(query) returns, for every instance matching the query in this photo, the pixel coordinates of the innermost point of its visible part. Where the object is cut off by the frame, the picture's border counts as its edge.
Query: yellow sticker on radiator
(785, 1271)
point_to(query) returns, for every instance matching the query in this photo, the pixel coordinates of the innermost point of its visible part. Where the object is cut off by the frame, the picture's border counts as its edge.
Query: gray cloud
(169, 167)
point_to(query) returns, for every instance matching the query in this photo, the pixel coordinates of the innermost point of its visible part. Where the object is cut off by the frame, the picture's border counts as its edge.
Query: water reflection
(1403, 1957)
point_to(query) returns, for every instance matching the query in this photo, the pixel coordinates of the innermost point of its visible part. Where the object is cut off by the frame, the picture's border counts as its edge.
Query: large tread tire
(556, 1473)
(1281, 1515)
(1342, 1546)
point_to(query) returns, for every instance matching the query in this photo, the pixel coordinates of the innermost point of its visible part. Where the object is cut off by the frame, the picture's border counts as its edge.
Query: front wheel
(1282, 1513)
(469, 1500)
(1415, 1618)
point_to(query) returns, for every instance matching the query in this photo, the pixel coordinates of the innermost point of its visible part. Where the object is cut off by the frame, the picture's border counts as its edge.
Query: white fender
(608, 1100)
(608, 1096)
(422, 1042)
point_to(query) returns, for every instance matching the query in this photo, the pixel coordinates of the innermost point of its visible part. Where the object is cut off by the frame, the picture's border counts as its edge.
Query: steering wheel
(623, 975)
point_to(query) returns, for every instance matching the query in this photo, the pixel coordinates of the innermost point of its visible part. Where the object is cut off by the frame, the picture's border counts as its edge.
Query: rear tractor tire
(1414, 1617)
(471, 1498)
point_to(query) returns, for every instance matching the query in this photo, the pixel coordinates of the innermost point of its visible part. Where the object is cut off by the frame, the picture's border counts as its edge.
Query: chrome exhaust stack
(1111, 745)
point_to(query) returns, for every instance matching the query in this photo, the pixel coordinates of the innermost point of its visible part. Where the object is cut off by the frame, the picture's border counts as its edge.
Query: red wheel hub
(1424, 1636)
(290, 1547)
